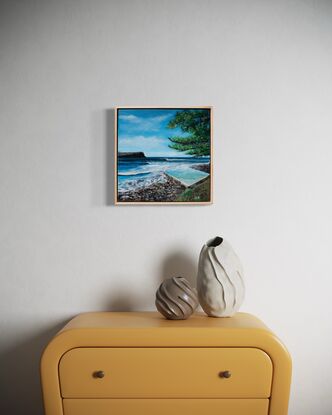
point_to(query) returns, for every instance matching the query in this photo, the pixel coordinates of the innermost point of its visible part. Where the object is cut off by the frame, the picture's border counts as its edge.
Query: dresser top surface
(153, 320)
(150, 329)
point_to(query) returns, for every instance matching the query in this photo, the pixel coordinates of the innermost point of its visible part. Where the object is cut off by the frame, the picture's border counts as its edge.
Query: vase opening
(215, 242)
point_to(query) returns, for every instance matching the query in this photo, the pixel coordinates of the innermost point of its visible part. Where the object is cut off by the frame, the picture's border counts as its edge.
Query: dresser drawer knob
(99, 374)
(225, 374)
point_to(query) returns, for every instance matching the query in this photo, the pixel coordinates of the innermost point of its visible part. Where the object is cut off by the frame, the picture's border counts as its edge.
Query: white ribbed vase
(220, 284)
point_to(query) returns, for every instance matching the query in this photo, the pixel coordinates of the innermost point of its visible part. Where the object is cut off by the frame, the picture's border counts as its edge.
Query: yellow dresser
(138, 363)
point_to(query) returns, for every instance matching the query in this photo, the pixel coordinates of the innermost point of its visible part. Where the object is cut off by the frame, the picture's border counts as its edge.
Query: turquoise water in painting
(138, 173)
(187, 176)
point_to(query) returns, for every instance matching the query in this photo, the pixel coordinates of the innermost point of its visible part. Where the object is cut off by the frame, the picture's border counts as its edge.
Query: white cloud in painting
(130, 118)
(143, 123)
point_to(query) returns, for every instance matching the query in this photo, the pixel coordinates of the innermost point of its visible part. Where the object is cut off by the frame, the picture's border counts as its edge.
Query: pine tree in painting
(196, 125)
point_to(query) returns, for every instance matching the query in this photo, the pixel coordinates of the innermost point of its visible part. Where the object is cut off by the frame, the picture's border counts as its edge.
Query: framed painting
(163, 155)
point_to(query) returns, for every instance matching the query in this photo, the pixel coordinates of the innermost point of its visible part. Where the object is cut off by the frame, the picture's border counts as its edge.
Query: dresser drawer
(165, 406)
(165, 373)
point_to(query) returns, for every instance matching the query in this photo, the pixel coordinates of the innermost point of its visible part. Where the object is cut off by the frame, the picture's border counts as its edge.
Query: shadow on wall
(121, 300)
(102, 157)
(110, 157)
(124, 298)
(178, 264)
(20, 376)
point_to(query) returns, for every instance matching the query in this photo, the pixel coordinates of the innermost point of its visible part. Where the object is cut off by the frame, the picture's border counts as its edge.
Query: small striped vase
(220, 284)
(175, 299)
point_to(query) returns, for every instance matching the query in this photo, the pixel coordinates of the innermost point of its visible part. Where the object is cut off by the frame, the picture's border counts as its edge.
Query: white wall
(266, 67)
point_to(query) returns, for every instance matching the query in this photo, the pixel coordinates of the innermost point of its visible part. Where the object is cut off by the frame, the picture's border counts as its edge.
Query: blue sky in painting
(146, 130)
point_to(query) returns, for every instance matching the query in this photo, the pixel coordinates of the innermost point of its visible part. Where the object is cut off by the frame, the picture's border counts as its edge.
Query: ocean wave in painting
(135, 175)
(129, 185)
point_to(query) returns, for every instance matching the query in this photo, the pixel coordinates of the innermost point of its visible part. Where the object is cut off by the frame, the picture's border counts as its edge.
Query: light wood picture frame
(163, 155)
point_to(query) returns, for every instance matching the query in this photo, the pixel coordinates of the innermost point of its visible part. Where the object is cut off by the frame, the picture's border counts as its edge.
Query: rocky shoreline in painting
(170, 189)
(166, 189)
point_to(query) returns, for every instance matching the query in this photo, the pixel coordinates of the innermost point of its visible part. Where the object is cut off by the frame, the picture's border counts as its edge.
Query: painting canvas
(163, 155)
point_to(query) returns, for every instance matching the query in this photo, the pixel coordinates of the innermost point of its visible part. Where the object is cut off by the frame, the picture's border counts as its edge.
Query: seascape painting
(163, 155)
